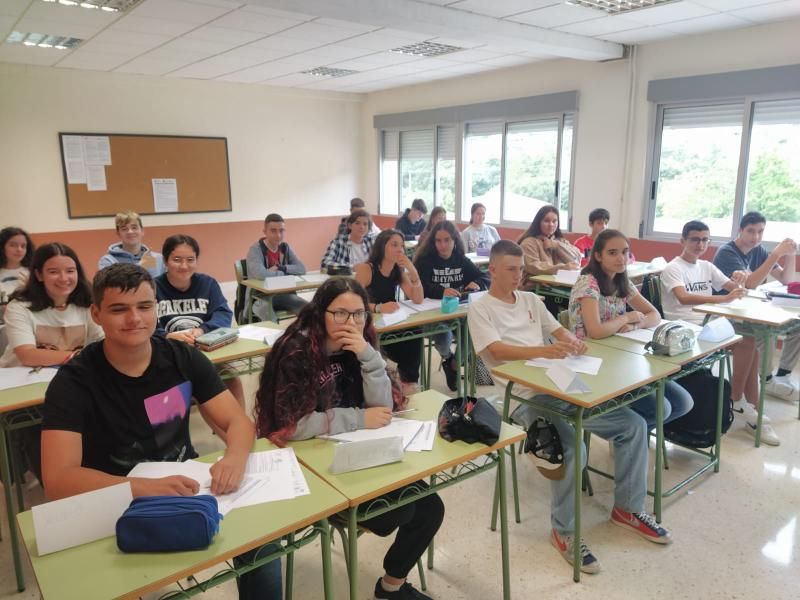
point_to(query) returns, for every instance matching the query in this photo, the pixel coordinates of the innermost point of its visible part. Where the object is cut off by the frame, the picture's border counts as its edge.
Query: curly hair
(289, 386)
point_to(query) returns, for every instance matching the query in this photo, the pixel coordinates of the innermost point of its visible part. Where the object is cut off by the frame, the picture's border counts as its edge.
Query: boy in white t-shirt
(688, 280)
(508, 324)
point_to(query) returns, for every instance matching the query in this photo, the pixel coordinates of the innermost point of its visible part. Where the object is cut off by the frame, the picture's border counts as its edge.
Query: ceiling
(273, 41)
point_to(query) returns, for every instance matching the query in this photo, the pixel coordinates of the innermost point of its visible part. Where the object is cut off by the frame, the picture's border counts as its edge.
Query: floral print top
(608, 306)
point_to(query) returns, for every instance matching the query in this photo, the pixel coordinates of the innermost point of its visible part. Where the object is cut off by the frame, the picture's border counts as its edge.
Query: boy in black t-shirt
(126, 400)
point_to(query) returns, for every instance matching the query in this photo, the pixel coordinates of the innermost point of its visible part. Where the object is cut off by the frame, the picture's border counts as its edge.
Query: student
(445, 271)
(352, 248)
(326, 376)
(16, 251)
(598, 221)
(479, 234)
(412, 221)
(545, 248)
(357, 204)
(688, 281)
(507, 324)
(48, 321)
(272, 257)
(388, 269)
(130, 248)
(746, 253)
(438, 214)
(190, 303)
(126, 400)
(598, 308)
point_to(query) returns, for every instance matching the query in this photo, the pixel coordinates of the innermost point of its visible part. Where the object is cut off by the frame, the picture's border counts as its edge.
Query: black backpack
(696, 428)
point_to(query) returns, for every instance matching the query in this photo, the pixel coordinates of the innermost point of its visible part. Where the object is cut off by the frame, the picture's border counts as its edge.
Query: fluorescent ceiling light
(615, 7)
(43, 40)
(328, 72)
(427, 49)
(106, 5)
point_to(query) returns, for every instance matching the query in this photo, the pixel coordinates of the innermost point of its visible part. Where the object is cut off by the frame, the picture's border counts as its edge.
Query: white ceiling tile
(255, 55)
(288, 44)
(152, 65)
(471, 55)
(388, 58)
(337, 52)
(666, 13)
(322, 34)
(379, 40)
(461, 69)
(434, 63)
(17, 53)
(207, 47)
(246, 20)
(500, 8)
(93, 61)
(610, 24)
(281, 14)
(229, 4)
(728, 5)
(639, 36)
(179, 10)
(412, 36)
(6, 23)
(557, 15)
(356, 28)
(293, 79)
(131, 38)
(770, 12)
(457, 42)
(708, 23)
(406, 69)
(13, 8)
(49, 11)
(260, 73)
(223, 34)
(152, 26)
(57, 27)
(355, 65)
(507, 61)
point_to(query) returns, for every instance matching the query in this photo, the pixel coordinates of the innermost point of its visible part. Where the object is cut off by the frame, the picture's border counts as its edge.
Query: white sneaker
(768, 435)
(782, 387)
(748, 411)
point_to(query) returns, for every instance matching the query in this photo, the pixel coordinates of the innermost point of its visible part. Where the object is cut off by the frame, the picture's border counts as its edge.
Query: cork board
(198, 166)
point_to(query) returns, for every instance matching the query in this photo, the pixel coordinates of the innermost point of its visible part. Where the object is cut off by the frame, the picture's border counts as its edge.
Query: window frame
(650, 192)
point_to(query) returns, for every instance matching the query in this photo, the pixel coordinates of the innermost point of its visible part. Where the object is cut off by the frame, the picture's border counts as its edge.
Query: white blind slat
(719, 115)
(544, 126)
(416, 145)
(777, 112)
(446, 142)
(391, 148)
(484, 129)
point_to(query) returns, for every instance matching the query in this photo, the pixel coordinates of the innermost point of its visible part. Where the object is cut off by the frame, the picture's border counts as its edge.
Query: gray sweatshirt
(377, 392)
(257, 262)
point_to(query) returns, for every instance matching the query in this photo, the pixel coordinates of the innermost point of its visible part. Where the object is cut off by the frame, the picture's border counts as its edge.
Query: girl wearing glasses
(190, 303)
(598, 308)
(326, 376)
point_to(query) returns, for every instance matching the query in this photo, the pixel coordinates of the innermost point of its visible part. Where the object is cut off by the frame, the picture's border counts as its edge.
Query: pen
(35, 369)
(402, 412)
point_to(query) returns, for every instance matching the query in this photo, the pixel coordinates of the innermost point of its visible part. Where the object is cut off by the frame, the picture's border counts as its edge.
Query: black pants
(417, 524)
(407, 355)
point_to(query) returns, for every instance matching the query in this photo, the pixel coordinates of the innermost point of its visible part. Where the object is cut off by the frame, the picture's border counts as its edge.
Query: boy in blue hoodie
(130, 248)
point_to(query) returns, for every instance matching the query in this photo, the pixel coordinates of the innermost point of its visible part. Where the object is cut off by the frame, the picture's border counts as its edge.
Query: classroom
(679, 118)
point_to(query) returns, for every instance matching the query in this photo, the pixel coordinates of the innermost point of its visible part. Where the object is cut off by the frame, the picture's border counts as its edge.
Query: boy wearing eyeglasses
(130, 248)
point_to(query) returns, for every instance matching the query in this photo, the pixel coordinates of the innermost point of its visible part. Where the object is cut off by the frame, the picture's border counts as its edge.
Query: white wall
(603, 106)
(290, 151)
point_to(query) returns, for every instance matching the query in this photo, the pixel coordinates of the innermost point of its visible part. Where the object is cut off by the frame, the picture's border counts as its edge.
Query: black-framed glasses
(698, 240)
(341, 316)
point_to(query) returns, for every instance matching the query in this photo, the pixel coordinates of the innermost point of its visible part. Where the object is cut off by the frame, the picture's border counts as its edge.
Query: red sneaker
(643, 524)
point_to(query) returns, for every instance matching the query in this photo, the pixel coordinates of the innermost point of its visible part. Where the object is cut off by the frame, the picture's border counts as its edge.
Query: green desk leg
(576, 542)
(327, 571)
(501, 478)
(765, 362)
(720, 402)
(289, 569)
(5, 473)
(659, 449)
(461, 379)
(352, 540)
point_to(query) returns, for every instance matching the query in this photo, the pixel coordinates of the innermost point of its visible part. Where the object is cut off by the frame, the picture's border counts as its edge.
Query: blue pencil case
(168, 524)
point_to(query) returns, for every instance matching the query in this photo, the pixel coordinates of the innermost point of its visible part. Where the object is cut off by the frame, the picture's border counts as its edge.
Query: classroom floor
(736, 533)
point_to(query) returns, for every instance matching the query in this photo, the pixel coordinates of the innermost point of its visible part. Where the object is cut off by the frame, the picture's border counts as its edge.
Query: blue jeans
(263, 583)
(443, 343)
(628, 432)
(677, 402)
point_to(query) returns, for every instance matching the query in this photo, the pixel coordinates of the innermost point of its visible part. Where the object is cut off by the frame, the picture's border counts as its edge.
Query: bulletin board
(150, 174)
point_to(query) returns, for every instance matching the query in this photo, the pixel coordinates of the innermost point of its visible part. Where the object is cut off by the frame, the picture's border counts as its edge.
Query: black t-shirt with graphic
(437, 274)
(127, 420)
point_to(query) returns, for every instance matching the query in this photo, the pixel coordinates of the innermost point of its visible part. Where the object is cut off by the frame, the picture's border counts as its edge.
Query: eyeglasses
(698, 240)
(341, 316)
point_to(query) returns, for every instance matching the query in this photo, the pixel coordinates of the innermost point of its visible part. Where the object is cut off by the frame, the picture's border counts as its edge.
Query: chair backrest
(240, 266)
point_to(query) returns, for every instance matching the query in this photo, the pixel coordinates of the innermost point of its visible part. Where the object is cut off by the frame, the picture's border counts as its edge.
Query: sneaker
(406, 592)
(450, 369)
(782, 387)
(748, 411)
(643, 524)
(563, 543)
(768, 435)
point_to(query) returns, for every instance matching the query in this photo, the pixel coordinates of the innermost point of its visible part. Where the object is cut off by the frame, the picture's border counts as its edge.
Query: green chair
(243, 306)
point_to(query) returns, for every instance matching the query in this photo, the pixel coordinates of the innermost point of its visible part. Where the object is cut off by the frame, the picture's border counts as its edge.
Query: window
(390, 154)
(446, 169)
(714, 162)
(416, 167)
(530, 173)
(483, 152)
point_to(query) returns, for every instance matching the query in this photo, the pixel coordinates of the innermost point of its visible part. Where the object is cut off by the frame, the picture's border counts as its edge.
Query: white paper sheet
(282, 282)
(427, 304)
(260, 334)
(79, 519)
(404, 428)
(96, 178)
(165, 195)
(639, 335)
(315, 277)
(580, 364)
(424, 439)
(96, 149)
(398, 316)
(355, 456)
(567, 380)
(12, 377)
(73, 159)
(567, 276)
